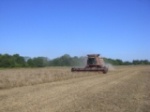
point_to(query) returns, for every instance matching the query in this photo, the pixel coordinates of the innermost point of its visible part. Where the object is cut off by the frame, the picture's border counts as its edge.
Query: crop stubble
(126, 89)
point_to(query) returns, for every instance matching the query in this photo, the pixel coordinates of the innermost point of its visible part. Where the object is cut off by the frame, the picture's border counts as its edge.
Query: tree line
(11, 61)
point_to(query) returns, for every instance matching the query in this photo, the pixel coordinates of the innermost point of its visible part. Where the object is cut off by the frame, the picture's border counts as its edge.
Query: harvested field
(125, 89)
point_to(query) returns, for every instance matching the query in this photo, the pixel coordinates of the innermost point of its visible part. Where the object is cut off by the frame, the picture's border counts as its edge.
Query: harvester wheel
(105, 70)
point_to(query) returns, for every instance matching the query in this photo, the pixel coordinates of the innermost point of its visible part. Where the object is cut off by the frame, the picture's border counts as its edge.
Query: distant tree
(6, 61)
(145, 62)
(26, 58)
(30, 63)
(19, 60)
(110, 61)
(136, 62)
(64, 60)
(118, 62)
(16, 60)
(127, 63)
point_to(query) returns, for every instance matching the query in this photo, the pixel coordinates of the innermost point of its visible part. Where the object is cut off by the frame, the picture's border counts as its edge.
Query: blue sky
(51, 28)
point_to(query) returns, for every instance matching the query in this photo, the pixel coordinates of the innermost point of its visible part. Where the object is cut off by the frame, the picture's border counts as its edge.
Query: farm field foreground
(122, 89)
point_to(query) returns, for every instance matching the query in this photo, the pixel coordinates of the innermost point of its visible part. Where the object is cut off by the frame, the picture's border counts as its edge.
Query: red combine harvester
(94, 64)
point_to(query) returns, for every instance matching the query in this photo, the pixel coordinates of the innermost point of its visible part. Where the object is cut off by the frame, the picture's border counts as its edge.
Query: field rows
(125, 89)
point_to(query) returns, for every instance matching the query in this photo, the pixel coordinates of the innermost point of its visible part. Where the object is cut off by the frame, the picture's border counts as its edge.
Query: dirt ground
(125, 89)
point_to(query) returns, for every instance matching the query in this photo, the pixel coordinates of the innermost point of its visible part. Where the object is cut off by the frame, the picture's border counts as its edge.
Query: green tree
(18, 60)
(7, 61)
(30, 63)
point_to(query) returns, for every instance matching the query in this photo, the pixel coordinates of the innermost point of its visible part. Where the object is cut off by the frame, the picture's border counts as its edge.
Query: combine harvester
(94, 64)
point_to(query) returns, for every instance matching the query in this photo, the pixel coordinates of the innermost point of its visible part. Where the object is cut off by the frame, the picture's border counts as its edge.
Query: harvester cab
(94, 60)
(94, 63)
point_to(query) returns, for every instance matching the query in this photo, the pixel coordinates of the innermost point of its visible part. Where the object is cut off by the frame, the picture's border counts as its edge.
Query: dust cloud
(110, 66)
(82, 62)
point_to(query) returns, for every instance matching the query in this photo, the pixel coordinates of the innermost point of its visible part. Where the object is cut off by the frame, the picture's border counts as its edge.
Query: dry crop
(30, 76)
(125, 89)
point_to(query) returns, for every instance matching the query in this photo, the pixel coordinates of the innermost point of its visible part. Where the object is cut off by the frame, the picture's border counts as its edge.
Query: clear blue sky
(51, 28)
